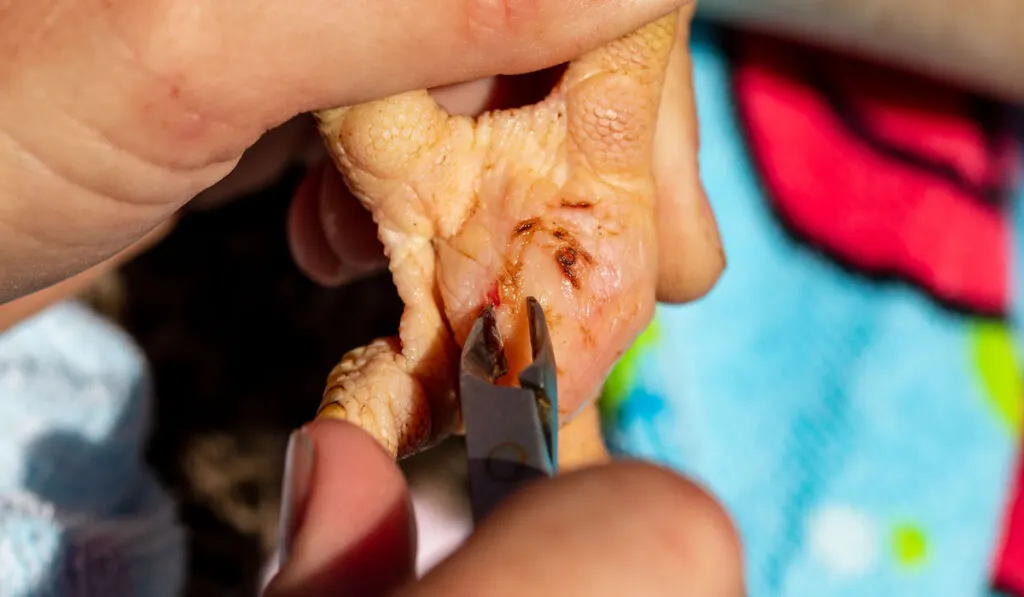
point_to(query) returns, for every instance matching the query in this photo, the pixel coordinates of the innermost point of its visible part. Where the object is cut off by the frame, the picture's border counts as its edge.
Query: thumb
(347, 523)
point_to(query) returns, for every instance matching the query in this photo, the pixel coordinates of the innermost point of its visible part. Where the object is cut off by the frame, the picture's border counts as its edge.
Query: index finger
(207, 79)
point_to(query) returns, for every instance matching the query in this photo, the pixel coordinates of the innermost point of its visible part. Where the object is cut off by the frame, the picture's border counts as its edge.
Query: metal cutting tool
(511, 433)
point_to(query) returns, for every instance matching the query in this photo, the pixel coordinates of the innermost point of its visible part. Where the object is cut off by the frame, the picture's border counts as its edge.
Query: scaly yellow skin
(554, 200)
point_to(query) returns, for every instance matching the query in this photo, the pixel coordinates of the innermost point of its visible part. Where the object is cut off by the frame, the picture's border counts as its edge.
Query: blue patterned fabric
(842, 422)
(79, 513)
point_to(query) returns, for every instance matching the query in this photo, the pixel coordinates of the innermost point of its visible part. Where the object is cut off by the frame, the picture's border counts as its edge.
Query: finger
(193, 86)
(354, 532)
(22, 308)
(348, 226)
(399, 46)
(332, 238)
(306, 240)
(690, 254)
(581, 534)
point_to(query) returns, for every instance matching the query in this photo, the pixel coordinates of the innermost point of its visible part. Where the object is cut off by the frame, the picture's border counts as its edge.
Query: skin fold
(555, 200)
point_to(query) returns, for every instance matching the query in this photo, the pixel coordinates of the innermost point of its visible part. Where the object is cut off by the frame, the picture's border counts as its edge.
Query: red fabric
(1008, 575)
(888, 174)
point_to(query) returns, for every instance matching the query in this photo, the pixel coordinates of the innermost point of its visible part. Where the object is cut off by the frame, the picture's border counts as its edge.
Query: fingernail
(298, 470)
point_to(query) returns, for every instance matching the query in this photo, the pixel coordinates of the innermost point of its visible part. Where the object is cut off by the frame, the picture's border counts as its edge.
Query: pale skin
(114, 114)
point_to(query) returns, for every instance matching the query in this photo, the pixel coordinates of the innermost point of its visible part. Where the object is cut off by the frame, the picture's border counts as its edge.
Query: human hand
(352, 532)
(115, 114)
(20, 309)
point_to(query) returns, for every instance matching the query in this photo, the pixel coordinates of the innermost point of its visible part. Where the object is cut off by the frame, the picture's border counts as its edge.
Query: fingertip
(357, 535)
(332, 238)
(340, 439)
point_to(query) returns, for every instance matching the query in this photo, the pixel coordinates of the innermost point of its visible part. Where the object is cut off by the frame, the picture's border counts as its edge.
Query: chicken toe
(555, 200)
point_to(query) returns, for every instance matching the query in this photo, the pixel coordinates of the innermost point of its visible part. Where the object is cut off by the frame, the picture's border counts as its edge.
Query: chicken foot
(554, 200)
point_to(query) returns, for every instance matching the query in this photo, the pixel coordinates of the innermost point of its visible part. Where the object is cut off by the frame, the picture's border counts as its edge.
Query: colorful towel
(851, 390)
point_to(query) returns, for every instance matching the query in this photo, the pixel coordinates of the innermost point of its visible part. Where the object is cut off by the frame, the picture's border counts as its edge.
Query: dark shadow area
(517, 91)
(240, 343)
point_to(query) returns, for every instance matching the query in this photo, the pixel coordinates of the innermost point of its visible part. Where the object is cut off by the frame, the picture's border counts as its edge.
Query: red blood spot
(493, 296)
